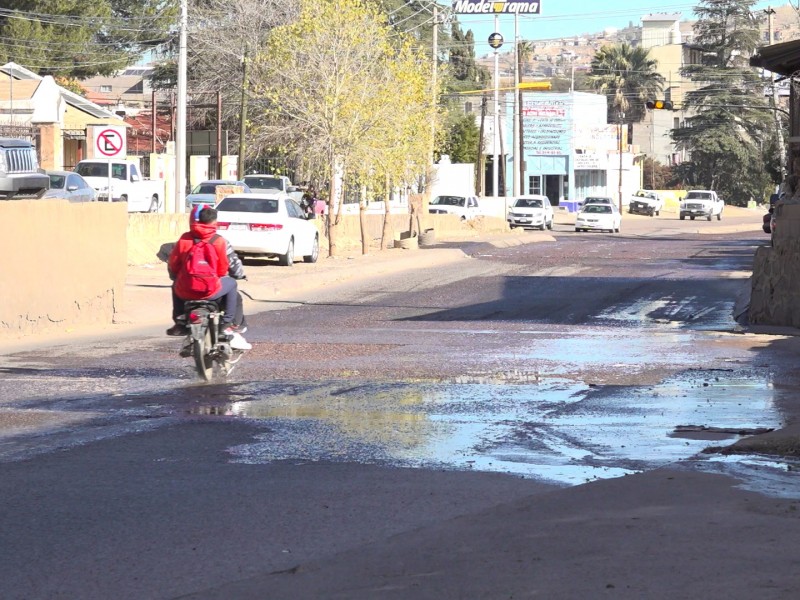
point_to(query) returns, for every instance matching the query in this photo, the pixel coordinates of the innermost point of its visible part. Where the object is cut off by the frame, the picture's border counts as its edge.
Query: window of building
(105, 89)
(535, 184)
(467, 107)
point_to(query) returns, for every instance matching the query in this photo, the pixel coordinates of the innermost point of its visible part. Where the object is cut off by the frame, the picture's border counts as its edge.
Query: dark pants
(232, 302)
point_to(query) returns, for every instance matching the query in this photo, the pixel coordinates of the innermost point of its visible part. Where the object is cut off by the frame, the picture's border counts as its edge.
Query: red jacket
(197, 231)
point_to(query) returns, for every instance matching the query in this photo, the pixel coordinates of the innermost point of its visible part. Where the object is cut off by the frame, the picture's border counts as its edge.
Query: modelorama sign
(522, 7)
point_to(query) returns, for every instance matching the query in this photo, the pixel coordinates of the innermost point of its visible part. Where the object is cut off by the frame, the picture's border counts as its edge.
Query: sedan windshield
(597, 208)
(449, 201)
(264, 183)
(253, 205)
(528, 203)
(205, 188)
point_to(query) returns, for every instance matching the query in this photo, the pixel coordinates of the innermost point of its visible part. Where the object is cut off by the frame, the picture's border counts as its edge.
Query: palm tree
(524, 54)
(628, 77)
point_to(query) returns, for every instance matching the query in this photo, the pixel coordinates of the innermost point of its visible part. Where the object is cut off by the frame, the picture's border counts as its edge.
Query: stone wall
(775, 294)
(63, 264)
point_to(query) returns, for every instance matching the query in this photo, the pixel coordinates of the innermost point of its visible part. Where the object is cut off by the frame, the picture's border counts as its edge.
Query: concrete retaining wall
(148, 232)
(63, 264)
(775, 294)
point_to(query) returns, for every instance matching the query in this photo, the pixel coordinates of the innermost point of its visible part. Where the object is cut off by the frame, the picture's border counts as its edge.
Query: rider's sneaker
(239, 343)
(241, 328)
(178, 330)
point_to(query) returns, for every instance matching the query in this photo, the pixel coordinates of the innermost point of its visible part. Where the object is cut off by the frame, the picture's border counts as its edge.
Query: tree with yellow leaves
(347, 93)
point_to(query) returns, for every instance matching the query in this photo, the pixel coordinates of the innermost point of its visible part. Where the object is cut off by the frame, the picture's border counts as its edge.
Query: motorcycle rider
(203, 226)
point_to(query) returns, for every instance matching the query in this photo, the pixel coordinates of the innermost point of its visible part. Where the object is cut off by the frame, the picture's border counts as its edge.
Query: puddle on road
(761, 474)
(554, 430)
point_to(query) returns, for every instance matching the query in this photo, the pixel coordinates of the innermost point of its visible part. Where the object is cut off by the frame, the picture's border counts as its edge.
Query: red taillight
(195, 317)
(265, 226)
(222, 225)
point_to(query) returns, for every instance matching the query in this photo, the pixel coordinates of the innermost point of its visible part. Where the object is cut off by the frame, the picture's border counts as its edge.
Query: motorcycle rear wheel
(202, 360)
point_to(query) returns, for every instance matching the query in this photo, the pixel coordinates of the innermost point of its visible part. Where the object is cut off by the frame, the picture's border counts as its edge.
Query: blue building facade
(570, 150)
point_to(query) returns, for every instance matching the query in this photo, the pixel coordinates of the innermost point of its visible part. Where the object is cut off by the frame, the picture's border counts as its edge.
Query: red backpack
(199, 273)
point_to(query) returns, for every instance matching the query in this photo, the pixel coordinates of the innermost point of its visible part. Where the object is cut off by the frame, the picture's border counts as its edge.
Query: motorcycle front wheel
(201, 348)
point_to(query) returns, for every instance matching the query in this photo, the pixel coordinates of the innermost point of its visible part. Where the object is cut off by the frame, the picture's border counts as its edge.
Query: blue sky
(564, 18)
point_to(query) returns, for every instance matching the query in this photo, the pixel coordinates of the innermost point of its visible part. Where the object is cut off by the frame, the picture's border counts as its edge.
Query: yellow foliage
(342, 87)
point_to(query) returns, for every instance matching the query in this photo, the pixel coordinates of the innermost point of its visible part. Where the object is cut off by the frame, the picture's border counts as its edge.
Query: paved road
(460, 431)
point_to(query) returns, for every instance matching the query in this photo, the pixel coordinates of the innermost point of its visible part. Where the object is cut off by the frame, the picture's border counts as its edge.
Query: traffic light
(659, 104)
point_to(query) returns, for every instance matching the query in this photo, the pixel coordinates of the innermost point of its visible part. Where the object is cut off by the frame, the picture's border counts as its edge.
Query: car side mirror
(134, 178)
(72, 188)
(291, 188)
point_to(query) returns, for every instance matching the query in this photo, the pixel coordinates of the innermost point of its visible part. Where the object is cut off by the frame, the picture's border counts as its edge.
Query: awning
(783, 59)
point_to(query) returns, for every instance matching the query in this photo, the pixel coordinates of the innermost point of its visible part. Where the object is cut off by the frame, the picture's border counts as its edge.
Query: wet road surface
(564, 361)
(592, 357)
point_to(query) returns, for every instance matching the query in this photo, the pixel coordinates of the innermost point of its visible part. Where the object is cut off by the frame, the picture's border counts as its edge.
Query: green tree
(628, 77)
(74, 38)
(461, 142)
(730, 122)
(465, 73)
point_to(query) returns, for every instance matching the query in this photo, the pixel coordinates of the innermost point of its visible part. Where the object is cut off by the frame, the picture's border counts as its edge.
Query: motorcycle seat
(210, 305)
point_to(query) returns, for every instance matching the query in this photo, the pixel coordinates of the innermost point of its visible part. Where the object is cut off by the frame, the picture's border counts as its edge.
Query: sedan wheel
(312, 258)
(287, 260)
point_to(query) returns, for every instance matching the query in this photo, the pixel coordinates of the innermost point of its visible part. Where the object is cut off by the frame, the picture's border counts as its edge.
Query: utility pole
(481, 158)
(621, 116)
(243, 116)
(219, 134)
(517, 108)
(180, 133)
(496, 132)
(520, 148)
(652, 150)
(434, 74)
(774, 101)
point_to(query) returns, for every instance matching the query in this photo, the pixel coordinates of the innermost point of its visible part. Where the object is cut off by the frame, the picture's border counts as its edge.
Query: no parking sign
(108, 142)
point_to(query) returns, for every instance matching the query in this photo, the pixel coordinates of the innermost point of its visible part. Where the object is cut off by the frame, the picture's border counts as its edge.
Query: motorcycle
(210, 349)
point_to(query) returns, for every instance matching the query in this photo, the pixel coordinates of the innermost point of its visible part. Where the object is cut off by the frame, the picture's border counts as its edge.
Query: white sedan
(600, 217)
(268, 225)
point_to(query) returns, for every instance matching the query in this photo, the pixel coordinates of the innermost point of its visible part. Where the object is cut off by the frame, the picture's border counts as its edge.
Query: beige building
(55, 118)
(664, 36)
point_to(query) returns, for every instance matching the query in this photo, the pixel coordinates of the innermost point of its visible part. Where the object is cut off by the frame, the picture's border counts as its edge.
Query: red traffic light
(659, 104)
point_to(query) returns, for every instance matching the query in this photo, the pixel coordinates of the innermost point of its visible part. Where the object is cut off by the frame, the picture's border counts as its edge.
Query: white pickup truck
(127, 184)
(701, 203)
(646, 202)
(465, 207)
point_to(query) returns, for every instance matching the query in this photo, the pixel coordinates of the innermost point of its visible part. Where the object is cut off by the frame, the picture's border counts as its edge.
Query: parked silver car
(69, 186)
